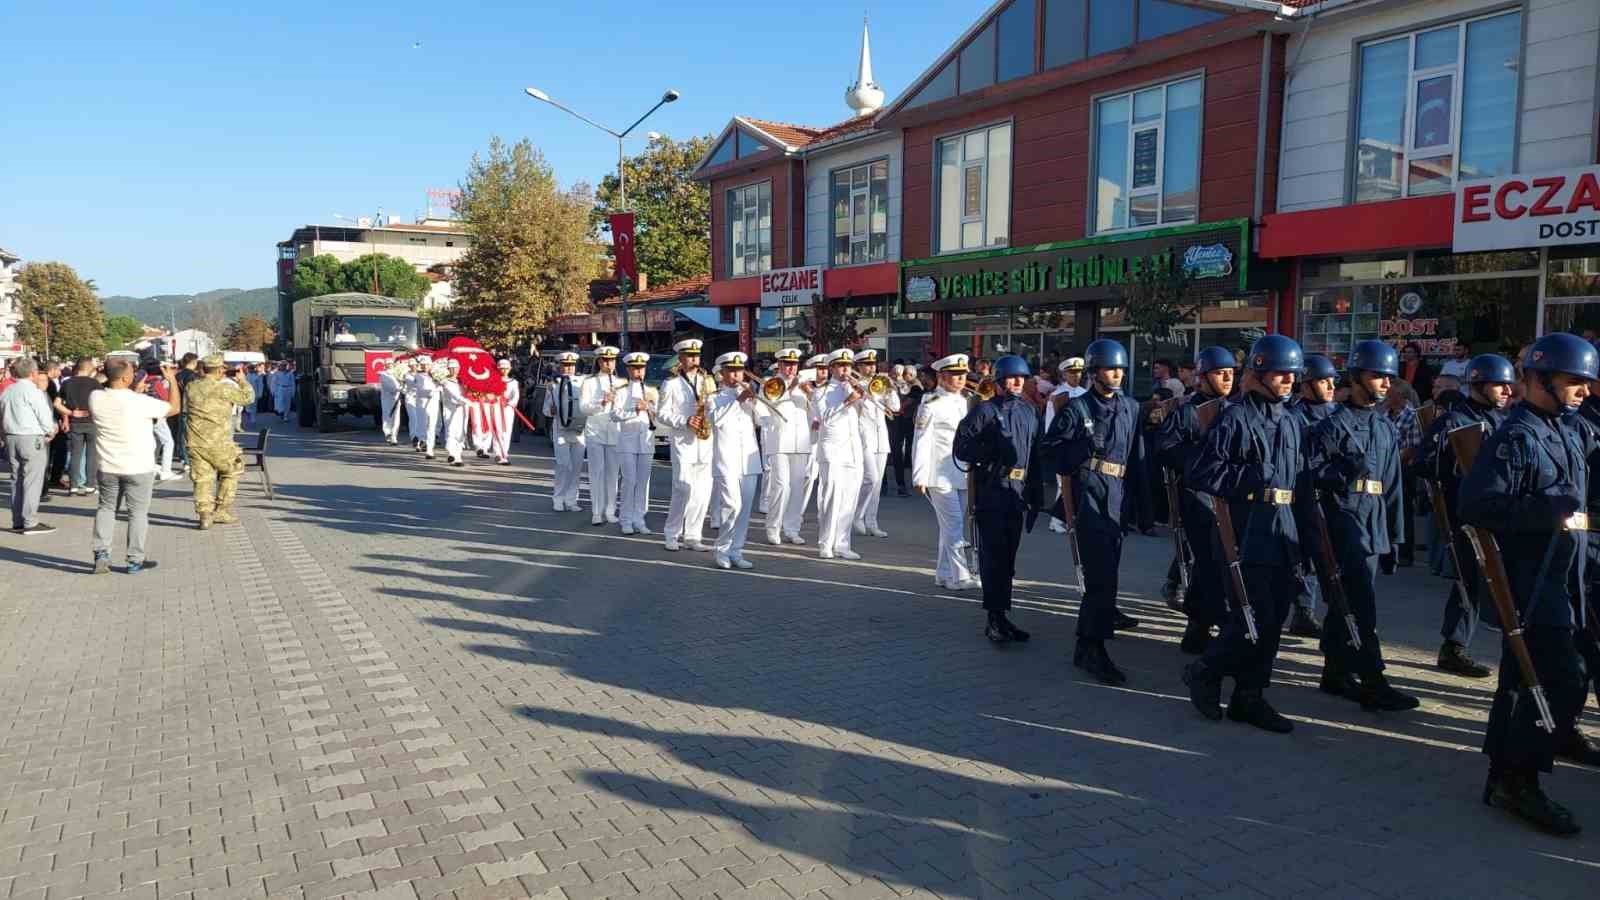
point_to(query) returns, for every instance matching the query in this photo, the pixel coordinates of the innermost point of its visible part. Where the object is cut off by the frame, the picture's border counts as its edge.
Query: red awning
(1358, 228)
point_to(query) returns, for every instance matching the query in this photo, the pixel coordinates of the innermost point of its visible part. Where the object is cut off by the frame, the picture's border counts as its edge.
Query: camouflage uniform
(213, 456)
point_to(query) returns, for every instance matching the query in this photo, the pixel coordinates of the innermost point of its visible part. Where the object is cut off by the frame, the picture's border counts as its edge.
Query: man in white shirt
(633, 409)
(503, 416)
(566, 420)
(682, 399)
(125, 444)
(838, 457)
(424, 407)
(1457, 365)
(1071, 385)
(390, 394)
(934, 473)
(453, 405)
(874, 415)
(790, 451)
(596, 396)
(736, 459)
(282, 384)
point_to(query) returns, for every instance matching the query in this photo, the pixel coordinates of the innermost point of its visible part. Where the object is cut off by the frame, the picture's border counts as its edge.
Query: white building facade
(10, 311)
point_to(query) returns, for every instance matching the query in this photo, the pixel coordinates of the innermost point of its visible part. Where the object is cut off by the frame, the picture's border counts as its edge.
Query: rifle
(1069, 514)
(1180, 538)
(1426, 416)
(969, 530)
(1207, 413)
(1467, 441)
(1329, 574)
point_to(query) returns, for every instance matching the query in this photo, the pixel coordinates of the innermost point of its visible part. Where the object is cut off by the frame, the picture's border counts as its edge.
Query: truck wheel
(325, 418)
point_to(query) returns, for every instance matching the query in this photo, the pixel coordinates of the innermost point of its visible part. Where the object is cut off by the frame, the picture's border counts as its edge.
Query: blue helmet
(1491, 368)
(1563, 353)
(1011, 366)
(1319, 367)
(1374, 356)
(1213, 358)
(1105, 354)
(1276, 353)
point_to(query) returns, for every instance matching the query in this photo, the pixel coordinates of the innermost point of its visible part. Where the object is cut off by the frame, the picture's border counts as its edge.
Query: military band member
(1095, 438)
(1070, 372)
(1354, 462)
(736, 458)
(1489, 381)
(1252, 458)
(1527, 485)
(634, 412)
(934, 472)
(1205, 603)
(837, 406)
(598, 393)
(453, 406)
(874, 413)
(561, 410)
(791, 451)
(425, 409)
(999, 443)
(683, 401)
(390, 394)
(503, 416)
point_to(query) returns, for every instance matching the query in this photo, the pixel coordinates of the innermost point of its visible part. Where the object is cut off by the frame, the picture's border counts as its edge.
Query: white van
(232, 358)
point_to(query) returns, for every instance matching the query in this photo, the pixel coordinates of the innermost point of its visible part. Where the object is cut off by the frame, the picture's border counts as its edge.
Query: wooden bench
(259, 452)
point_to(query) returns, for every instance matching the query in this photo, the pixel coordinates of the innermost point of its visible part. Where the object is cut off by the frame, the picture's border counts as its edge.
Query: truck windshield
(392, 331)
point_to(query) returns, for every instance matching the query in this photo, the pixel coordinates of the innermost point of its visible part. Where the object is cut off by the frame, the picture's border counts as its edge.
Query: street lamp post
(47, 329)
(622, 176)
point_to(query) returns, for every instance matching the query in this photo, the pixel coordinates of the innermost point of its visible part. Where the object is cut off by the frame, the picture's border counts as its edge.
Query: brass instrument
(879, 386)
(774, 388)
(986, 388)
(703, 390)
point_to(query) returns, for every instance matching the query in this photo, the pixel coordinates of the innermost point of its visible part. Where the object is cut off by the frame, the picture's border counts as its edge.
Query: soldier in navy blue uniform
(1176, 445)
(1529, 480)
(1353, 456)
(1313, 404)
(1573, 744)
(1252, 458)
(998, 440)
(1489, 379)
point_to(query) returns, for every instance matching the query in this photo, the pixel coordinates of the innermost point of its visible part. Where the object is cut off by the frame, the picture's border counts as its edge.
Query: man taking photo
(125, 444)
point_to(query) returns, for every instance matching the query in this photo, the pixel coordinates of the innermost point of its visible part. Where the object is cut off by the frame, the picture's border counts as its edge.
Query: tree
(120, 331)
(532, 255)
(672, 214)
(317, 275)
(53, 290)
(396, 277)
(1156, 300)
(209, 317)
(251, 332)
(830, 325)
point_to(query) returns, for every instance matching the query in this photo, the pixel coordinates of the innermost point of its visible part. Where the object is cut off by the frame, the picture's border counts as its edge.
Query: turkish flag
(377, 361)
(622, 247)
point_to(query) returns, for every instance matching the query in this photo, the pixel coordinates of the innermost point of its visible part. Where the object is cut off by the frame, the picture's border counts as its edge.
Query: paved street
(407, 680)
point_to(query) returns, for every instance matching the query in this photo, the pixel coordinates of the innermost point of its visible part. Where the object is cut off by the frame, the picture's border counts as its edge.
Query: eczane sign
(791, 287)
(1542, 210)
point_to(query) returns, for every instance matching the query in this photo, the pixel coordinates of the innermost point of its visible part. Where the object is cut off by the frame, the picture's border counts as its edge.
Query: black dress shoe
(1302, 625)
(1196, 638)
(1124, 622)
(1091, 656)
(1017, 634)
(1253, 709)
(1578, 747)
(902, 493)
(1520, 795)
(1339, 683)
(996, 632)
(1205, 690)
(1379, 695)
(1453, 658)
(1172, 595)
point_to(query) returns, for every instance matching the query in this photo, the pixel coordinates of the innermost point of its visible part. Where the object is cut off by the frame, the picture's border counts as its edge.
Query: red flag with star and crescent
(622, 247)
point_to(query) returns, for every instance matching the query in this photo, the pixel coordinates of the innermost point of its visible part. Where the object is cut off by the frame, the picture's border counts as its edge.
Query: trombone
(770, 391)
(984, 390)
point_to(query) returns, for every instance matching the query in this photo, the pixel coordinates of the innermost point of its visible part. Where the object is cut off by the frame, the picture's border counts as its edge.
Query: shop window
(1443, 262)
(860, 198)
(1147, 156)
(973, 190)
(1436, 106)
(1014, 41)
(1486, 314)
(750, 229)
(1332, 271)
(1572, 273)
(1064, 22)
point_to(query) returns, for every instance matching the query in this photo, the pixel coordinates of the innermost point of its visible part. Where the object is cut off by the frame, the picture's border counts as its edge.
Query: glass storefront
(895, 335)
(1040, 334)
(1233, 321)
(1572, 291)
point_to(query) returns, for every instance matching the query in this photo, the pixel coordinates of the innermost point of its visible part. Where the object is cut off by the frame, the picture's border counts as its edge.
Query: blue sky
(165, 148)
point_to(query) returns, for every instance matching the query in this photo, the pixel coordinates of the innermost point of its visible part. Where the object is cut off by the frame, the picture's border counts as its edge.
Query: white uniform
(600, 439)
(425, 409)
(636, 448)
(838, 467)
(790, 461)
(282, 392)
(1062, 391)
(390, 393)
(736, 463)
(933, 466)
(566, 438)
(691, 459)
(453, 405)
(873, 415)
(503, 420)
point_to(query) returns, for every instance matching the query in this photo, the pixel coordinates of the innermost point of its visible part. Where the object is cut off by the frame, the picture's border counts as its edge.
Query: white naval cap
(453, 364)
(841, 355)
(606, 352)
(820, 359)
(787, 354)
(424, 360)
(505, 363)
(731, 360)
(868, 355)
(636, 358)
(955, 364)
(688, 345)
(1071, 363)
(567, 357)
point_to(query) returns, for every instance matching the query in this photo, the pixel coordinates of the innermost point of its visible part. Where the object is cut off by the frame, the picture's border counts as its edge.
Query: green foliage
(53, 291)
(324, 274)
(829, 325)
(161, 310)
(532, 255)
(120, 331)
(251, 332)
(1155, 302)
(317, 275)
(672, 215)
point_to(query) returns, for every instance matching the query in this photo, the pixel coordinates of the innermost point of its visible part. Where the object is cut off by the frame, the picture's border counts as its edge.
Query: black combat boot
(1578, 747)
(1124, 622)
(1339, 683)
(996, 630)
(1172, 595)
(1251, 708)
(1453, 658)
(1091, 656)
(1301, 624)
(1518, 793)
(1205, 690)
(1017, 634)
(1378, 695)
(1196, 637)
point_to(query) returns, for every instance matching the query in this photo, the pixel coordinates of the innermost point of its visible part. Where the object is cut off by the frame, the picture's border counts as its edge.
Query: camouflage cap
(212, 361)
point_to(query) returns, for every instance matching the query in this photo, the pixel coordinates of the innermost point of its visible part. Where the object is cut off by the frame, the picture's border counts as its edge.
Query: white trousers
(787, 505)
(455, 433)
(691, 492)
(635, 488)
(734, 499)
(427, 419)
(414, 418)
(569, 461)
(949, 507)
(503, 418)
(714, 505)
(871, 482)
(479, 426)
(281, 400)
(767, 481)
(605, 467)
(391, 414)
(838, 485)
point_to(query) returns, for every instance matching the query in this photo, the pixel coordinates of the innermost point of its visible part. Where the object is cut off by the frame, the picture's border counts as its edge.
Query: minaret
(865, 97)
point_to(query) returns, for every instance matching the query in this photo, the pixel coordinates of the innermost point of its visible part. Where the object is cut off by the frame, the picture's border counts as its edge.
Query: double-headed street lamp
(622, 177)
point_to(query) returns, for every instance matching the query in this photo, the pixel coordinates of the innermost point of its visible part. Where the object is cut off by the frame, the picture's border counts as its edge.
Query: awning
(709, 318)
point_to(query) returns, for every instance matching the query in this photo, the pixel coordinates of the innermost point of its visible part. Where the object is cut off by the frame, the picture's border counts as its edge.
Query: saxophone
(703, 391)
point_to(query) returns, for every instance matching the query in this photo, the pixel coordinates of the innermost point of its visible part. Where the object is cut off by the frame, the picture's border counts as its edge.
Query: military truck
(341, 343)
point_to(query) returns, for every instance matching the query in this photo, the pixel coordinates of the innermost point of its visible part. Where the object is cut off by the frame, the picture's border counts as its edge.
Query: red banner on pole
(622, 247)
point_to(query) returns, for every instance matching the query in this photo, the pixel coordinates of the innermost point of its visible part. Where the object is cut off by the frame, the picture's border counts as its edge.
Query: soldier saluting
(1527, 486)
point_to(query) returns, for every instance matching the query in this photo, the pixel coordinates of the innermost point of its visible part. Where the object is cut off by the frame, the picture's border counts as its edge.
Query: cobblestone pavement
(406, 680)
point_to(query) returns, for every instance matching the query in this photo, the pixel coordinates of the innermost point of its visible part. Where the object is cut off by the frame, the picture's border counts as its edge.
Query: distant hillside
(155, 310)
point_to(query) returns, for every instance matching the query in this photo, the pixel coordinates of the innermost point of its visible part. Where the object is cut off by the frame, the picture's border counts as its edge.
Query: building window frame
(1158, 190)
(740, 266)
(865, 191)
(984, 216)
